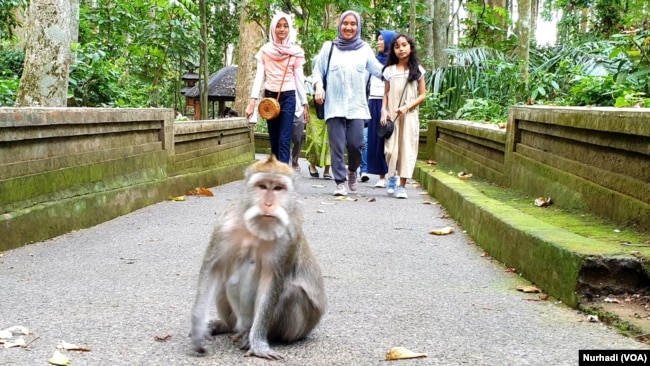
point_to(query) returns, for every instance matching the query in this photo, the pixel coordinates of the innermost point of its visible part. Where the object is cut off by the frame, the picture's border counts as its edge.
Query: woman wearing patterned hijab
(346, 107)
(280, 68)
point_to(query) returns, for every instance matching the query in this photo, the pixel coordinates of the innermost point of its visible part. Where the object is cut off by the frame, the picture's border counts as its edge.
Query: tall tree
(523, 34)
(440, 32)
(250, 38)
(203, 63)
(44, 81)
(429, 43)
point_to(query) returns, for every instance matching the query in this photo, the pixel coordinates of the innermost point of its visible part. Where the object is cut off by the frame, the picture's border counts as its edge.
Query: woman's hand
(250, 108)
(306, 111)
(384, 115)
(319, 95)
(402, 110)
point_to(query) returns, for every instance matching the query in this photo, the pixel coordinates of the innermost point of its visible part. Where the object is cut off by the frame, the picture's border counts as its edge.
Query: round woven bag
(269, 108)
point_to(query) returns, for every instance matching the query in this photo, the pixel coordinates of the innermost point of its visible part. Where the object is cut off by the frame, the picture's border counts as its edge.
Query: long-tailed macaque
(258, 268)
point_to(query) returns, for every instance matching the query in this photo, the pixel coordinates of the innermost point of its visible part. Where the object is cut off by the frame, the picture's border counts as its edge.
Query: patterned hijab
(349, 44)
(388, 36)
(277, 50)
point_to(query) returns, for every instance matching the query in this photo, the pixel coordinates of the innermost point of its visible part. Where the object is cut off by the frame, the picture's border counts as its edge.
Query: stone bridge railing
(596, 159)
(63, 169)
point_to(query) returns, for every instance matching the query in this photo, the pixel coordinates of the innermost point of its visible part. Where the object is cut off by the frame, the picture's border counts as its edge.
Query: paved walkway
(117, 286)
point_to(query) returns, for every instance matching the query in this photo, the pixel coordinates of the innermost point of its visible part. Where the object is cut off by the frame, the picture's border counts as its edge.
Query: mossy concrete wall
(594, 159)
(63, 169)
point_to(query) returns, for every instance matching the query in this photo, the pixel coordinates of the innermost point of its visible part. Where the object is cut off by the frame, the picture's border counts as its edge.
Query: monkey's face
(271, 202)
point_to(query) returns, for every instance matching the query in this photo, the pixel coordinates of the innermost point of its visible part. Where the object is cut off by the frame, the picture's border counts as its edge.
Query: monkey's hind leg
(295, 316)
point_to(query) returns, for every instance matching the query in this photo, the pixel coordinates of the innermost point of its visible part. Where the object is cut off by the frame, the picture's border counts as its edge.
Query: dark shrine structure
(221, 89)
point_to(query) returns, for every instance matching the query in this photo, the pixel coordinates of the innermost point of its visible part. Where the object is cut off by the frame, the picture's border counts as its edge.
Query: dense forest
(481, 56)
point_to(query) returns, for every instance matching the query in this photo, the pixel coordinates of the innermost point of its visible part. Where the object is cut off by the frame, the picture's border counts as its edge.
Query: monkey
(258, 268)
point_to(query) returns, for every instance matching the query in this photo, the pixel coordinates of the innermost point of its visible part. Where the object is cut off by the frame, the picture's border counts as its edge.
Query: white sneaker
(381, 183)
(340, 190)
(391, 186)
(401, 193)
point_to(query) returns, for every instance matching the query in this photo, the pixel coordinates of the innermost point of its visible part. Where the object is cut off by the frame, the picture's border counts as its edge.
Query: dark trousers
(281, 127)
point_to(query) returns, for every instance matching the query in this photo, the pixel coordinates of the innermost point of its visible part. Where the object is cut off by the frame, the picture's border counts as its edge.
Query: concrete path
(117, 286)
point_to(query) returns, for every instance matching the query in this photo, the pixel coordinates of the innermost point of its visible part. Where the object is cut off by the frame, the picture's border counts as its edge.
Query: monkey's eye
(262, 186)
(279, 188)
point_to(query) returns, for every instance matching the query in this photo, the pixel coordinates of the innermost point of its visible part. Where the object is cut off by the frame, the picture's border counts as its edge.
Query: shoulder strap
(328, 62)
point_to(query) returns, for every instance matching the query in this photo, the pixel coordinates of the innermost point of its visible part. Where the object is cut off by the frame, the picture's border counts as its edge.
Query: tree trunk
(203, 61)
(501, 34)
(523, 33)
(440, 32)
(413, 19)
(250, 39)
(428, 35)
(44, 81)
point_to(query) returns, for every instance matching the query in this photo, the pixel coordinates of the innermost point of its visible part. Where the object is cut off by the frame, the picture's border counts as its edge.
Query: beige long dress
(401, 149)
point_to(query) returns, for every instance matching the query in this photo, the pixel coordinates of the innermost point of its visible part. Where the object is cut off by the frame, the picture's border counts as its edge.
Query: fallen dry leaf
(529, 289)
(18, 342)
(429, 203)
(72, 347)
(344, 198)
(544, 297)
(542, 202)
(444, 231)
(401, 353)
(178, 198)
(431, 162)
(59, 359)
(163, 338)
(423, 193)
(372, 199)
(464, 176)
(200, 191)
(320, 211)
(16, 329)
(612, 300)
(512, 270)
(502, 125)
(318, 185)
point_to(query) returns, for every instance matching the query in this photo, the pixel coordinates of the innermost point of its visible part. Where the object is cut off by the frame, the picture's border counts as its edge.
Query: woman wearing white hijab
(280, 69)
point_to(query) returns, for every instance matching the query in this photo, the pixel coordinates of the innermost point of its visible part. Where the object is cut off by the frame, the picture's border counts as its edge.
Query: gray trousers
(345, 133)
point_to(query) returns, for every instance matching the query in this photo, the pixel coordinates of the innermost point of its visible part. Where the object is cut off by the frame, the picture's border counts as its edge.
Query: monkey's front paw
(241, 339)
(264, 352)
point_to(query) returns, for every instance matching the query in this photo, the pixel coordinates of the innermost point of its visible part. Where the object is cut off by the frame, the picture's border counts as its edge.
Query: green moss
(579, 222)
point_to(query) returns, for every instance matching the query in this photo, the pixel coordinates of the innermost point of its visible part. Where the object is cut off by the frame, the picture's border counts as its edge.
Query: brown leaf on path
(72, 347)
(444, 231)
(529, 289)
(372, 199)
(511, 270)
(402, 353)
(542, 202)
(200, 191)
(59, 359)
(429, 203)
(502, 125)
(163, 338)
(544, 297)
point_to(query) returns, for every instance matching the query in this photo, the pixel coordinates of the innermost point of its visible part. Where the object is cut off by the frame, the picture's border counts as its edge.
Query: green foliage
(11, 66)
(8, 18)
(96, 81)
